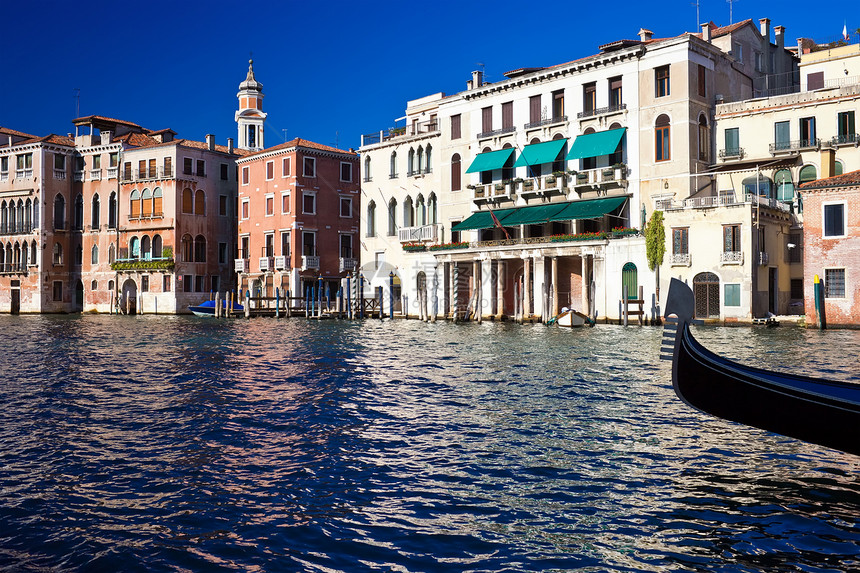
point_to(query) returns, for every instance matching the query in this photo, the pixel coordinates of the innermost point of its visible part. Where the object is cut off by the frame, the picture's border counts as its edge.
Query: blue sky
(330, 71)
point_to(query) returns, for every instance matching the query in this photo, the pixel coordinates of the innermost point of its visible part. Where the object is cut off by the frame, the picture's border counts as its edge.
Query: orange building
(831, 236)
(298, 217)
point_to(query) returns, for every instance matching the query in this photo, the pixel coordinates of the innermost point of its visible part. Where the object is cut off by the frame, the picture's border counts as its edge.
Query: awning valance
(533, 215)
(588, 209)
(539, 153)
(481, 220)
(596, 144)
(490, 160)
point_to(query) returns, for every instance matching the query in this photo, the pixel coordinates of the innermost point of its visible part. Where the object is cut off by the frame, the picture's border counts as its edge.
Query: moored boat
(207, 308)
(572, 318)
(819, 411)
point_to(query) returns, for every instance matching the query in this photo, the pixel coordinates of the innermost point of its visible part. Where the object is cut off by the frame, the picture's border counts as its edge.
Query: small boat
(822, 412)
(207, 308)
(571, 318)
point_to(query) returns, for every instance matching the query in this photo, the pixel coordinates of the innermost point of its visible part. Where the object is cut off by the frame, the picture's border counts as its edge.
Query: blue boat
(207, 308)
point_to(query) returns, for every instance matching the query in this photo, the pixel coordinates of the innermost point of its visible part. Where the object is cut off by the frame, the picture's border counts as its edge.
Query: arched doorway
(79, 296)
(629, 281)
(128, 300)
(706, 288)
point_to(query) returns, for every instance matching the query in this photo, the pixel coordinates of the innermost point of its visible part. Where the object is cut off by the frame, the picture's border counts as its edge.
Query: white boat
(571, 318)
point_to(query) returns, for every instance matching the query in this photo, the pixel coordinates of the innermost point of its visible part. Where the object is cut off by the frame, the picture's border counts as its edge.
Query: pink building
(298, 217)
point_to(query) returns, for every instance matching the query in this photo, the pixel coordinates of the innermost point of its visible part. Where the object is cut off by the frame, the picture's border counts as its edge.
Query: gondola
(207, 308)
(822, 412)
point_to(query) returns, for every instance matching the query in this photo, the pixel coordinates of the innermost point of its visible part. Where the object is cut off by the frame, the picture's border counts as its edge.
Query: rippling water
(180, 444)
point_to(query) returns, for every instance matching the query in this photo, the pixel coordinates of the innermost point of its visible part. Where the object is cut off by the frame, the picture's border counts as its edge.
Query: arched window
(58, 254)
(408, 213)
(420, 160)
(59, 212)
(704, 138)
(428, 167)
(432, 216)
(187, 201)
(838, 168)
(200, 249)
(410, 162)
(94, 285)
(662, 139)
(2, 258)
(156, 247)
(807, 173)
(187, 249)
(146, 203)
(455, 172)
(420, 211)
(33, 252)
(392, 173)
(94, 215)
(630, 281)
(21, 215)
(706, 289)
(784, 185)
(13, 217)
(111, 254)
(371, 218)
(25, 254)
(94, 255)
(199, 202)
(112, 211)
(761, 186)
(17, 256)
(134, 204)
(28, 216)
(157, 207)
(134, 248)
(144, 248)
(367, 173)
(392, 217)
(110, 285)
(4, 217)
(79, 212)
(79, 255)
(10, 261)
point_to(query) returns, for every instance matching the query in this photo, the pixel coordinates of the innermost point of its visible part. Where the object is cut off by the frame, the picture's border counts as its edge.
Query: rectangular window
(507, 115)
(309, 167)
(834, 220)
(486, 119)
(126, 170)
(285, 244)
(269, 250)
(346, 246)
(845, 127)
(187, 283)
(201, 168)
(187, 166)
(378, 259)
(225, 173)
(59, 162)
(168, 167)
(246, 175)
(97, 161)
(661, 81)
(807, 131)
(615, 95)
(166, 284)
(346, 171)
(796, 289)
(794, 246)
(309, 203)
(701, 81)
(114, 159)
(455, 127)
(144, 283)
(141, 169)
(4, 164)
(732, 142)
(534, 109)
(153, 170)
(834, 283)
(245, 253)
(680, 241)
(589, 97)
(222, 253)
(309, 243)
(731, 238)
(285, 203)
(215, 283)
(246, 208)
(781, 135)
(58, 291)
(732, 294)
(558, 104)
(285, 167)
(815, 81)
(738, 52)
(759, 62)
(270, 205)
(661, 143)
(346, 207)
(270, 170)
(200, 283)
(222, 205)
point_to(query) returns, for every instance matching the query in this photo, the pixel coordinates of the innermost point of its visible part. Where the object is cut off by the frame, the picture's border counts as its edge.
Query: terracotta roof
(203, 145)
(51, 138)
(101, 118)
(717, 31)
(521, 71)
(299, 142)
(137, 139)
(7, 131)
(851, 179)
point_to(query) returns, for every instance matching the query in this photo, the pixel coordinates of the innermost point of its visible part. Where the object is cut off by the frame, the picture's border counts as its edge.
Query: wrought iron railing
(545, 121)
(494, 132)
(732, 153)
(601, 110)
(796, 145)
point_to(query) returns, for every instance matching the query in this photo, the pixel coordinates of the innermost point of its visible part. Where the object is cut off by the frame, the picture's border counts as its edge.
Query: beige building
(542, 179)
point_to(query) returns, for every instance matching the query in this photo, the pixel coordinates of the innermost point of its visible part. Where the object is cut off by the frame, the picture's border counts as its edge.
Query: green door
(629, 281)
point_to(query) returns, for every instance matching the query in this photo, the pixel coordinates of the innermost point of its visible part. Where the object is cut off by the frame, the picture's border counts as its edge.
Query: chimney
(230, 145)
(210, 141)
(468, 85)
(706, 32)
(10, 139)
(645, 35)
(477, 78)
(779, 36)
(764, 28)
(828, 163)
(106, 137)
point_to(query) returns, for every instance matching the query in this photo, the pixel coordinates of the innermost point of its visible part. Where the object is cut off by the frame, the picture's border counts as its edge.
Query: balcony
(680, 260)
(348, 264)
(60, 174)
(24, 173)
(267, 264)
(419, 128)
(845, 139)
(243, 265)
(310, 262)
(17, 228)
(544, 184)
(732, 257)
(111, 172)
(421, 233)
(735, 153)
(489, 191)
(546, 121)
(497, 132)
(95, 174)
(4, 176)
(794, 146)
(601, 111)
(282, 263)
(79, 175)
(147, 174)
(602, 176)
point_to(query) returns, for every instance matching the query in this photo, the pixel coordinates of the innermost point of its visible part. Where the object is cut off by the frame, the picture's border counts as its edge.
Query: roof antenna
(77, 97)
(285, 134)
(731, 5)
(696, 4)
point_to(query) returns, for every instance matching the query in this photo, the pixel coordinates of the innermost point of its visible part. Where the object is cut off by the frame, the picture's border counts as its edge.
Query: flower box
(449, 246)
(579, 237)
(582, 177)
(528, 184)
(414, 247)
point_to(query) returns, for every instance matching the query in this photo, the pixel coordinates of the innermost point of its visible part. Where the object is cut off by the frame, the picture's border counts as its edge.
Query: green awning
(588, 209)
(596, 144)
(481, 220)
(539, 153)
(490, 160)
(534, 215)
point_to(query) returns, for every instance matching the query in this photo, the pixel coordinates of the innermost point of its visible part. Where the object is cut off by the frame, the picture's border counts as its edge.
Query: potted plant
(582, 177)
(528, 184)
(550, 180)
(414, 247)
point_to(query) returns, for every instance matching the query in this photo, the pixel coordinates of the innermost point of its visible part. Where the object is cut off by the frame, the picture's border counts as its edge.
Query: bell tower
(250, 117)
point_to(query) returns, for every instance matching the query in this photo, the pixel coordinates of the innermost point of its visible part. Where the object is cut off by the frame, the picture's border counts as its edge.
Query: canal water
(183, 444)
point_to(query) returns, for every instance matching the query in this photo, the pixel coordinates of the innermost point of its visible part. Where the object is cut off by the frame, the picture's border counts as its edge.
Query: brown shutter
(815, 81)
(487, 119)
(508, 114)
(534, 109)
(152, 174)
(455, 173)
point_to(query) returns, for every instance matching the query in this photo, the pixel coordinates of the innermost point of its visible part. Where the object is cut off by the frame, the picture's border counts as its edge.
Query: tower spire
(250, 117)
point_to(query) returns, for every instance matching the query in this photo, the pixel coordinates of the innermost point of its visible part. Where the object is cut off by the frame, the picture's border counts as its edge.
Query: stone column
(527, 287)
(555, 304)
(486, 292)
(539, 286)
(500, 289)
(454, 278)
